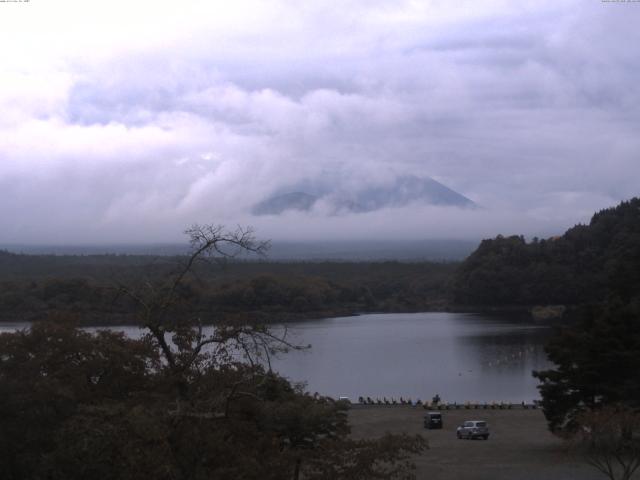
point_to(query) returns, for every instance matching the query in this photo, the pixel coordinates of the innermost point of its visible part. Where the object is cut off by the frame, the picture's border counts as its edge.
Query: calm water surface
(462, 357)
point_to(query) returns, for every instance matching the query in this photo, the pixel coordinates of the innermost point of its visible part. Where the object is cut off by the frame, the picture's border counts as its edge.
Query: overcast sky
(128, 121)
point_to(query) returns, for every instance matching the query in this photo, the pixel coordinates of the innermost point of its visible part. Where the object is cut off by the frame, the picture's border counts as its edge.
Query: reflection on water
(462, 357)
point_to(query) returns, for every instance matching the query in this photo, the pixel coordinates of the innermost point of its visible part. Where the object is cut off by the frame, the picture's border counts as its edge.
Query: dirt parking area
(520, 446)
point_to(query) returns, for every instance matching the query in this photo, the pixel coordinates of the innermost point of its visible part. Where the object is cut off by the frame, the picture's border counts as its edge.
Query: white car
(473, 429)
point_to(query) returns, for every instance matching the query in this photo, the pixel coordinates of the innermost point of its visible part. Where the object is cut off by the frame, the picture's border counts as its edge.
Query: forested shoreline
(89, 286)
(588, 263)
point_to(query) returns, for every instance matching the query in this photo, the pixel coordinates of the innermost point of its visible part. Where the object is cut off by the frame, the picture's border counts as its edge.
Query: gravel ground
(520, 446)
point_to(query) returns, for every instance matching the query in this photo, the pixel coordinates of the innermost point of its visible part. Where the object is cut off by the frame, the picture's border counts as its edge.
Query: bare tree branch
(609, 439)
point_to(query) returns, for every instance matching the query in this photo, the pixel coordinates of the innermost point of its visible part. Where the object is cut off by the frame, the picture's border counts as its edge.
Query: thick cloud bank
(128, 122)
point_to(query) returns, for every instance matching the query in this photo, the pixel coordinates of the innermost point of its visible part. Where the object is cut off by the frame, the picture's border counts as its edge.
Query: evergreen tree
(597, 360)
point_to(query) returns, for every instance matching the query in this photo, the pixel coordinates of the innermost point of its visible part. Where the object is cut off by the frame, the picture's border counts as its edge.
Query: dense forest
(89, 286)
(588, 263)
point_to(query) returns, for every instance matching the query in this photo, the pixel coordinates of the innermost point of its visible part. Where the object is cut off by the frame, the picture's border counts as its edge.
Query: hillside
(588, 263)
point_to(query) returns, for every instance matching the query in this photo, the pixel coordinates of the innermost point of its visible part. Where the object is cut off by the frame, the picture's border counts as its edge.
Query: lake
(461, 357)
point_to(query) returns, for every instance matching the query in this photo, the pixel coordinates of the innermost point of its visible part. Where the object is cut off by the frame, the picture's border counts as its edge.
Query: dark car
(433, 420)
(473, 429)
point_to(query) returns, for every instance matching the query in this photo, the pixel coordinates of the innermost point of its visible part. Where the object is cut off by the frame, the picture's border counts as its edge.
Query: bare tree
(177, 403)
(609, 439)
(179, 332)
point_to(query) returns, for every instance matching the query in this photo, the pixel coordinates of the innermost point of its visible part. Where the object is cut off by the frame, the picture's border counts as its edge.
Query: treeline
(91, 287)
(589, 263)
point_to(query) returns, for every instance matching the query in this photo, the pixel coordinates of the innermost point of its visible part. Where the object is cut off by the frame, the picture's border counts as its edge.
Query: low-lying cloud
(528, 110)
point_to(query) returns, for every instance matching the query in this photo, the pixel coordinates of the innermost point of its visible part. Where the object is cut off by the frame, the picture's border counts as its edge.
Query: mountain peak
(402, 191)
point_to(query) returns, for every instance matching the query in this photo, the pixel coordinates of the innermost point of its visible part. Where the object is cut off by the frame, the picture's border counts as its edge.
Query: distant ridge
(281, 250)
(281, 203)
